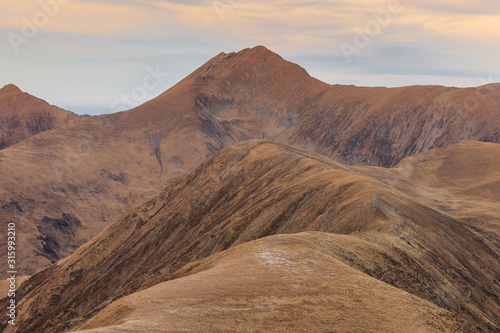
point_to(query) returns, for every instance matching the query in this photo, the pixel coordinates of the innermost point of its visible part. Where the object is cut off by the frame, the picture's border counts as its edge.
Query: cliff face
(259, 189)
(66, 184)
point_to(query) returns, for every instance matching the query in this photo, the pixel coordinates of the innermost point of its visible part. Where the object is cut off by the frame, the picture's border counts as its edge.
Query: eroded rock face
(56, 235)
(13, 207)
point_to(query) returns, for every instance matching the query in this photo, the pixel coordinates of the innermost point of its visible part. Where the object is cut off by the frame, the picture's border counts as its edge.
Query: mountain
(374, 126)
(23, 115)
(65, 185)
(259, 189)
(275, 284)
(462, 180)
(492, 90)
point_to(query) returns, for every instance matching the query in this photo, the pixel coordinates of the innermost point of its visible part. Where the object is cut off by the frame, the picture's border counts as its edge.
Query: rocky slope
(259, 189)
(65, 185)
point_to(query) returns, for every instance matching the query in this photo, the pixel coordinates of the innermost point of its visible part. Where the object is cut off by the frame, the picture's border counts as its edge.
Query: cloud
(467, 7)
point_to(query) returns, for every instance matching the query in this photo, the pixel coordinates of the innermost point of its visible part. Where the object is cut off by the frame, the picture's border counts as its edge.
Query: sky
(104, 56)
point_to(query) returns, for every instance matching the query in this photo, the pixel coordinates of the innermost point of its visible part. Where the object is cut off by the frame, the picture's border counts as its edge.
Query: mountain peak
(251, 67)
(10, 88)
(23, 115)
(259, 51)
(258, 59)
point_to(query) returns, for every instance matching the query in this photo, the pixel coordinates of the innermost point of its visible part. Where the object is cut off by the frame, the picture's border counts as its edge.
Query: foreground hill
(276, 284)
(259, 189)
(23, 115)
(65, 185)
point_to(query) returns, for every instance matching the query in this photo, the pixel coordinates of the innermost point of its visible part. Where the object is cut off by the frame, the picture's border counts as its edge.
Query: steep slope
(275, 284)
(257, 189)
(257, 94)
(5, 284)
(65, 185)
(462, 180)
(23, 115)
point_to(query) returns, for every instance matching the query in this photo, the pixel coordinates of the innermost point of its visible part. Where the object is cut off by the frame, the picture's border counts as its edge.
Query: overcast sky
(84, 55)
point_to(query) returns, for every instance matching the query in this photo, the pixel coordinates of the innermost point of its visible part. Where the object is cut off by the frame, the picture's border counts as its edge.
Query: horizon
(82, 55)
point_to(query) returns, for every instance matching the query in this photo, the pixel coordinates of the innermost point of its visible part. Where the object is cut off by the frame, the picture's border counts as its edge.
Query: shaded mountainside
(23, 115)
(65, 185)
(259, 189)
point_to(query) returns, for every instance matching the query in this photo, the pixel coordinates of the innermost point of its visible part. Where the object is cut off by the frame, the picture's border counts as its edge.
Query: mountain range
(251, 192)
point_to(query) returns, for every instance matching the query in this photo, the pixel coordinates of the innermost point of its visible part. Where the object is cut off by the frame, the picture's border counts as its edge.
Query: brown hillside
(257, 94)
(258, 189)
(23, 115)
(492, 90)
(276, 284)
(65, 185)
(462, 180)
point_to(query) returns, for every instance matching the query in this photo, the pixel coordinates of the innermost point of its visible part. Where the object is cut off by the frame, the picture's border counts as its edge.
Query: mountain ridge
(86, 175)
(258, 189)
(462, 180)
(291, 282)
